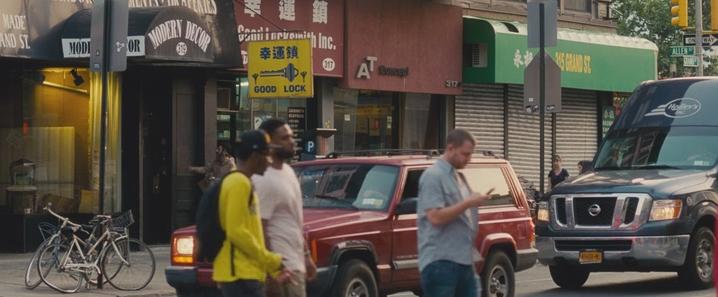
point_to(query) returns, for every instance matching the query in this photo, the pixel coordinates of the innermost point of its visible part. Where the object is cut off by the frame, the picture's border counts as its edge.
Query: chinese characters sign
(280, 69)
(320, 21)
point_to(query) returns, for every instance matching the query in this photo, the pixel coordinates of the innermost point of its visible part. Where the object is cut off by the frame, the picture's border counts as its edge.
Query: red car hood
(320, 218)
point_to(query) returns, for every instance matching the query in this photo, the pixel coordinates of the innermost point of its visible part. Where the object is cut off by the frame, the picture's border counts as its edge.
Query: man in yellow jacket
(243, 263)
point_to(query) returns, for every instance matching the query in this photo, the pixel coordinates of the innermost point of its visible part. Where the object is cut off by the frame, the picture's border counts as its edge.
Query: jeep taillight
(183, 250)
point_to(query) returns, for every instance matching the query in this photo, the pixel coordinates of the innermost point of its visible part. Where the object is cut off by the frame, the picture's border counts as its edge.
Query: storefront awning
(156, 34)
(588, 60)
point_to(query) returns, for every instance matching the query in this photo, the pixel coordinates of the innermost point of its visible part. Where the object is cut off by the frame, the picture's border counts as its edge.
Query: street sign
(532, 85)
(549, 20)
(280, 69)
(708, 39)
(117, 22)
(680, 51)
(690, 61)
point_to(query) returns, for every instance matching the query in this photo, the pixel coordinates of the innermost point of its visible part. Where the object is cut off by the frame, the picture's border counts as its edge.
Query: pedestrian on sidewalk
(223, 163)
(558, 174)
(448, 222)
(243, 263)
(281, 210)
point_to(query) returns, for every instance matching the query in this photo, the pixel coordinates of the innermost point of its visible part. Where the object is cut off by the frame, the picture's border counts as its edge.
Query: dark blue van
(651, 201)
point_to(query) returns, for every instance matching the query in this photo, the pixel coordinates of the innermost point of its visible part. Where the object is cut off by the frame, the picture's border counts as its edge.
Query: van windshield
(660, 148)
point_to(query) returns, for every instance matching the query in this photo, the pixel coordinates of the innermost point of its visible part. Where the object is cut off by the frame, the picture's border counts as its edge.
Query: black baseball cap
(252, 141)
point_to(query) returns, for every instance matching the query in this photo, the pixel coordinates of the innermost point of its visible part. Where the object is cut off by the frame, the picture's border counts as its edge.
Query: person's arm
(266, 205)
(239, 235)
(432, 201)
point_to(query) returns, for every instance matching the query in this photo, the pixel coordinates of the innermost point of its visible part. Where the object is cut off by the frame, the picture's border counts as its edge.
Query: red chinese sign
(321, 21)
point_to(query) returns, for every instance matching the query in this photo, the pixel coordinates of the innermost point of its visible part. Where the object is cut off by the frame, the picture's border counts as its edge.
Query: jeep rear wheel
(568, 277)
(355, 279)
(497, 277)
(697, 271)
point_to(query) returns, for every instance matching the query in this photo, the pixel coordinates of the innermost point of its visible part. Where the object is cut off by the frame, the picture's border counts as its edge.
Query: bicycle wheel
(52, 271)
(32, 277)
(128, 264)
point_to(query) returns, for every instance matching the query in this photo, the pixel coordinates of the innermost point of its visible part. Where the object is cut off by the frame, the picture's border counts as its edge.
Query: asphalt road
(536, 282)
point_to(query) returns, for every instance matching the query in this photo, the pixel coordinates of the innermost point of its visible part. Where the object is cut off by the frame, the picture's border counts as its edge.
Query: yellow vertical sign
(280, 69)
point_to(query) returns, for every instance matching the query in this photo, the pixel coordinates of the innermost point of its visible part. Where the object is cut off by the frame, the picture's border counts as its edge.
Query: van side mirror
(407, 206)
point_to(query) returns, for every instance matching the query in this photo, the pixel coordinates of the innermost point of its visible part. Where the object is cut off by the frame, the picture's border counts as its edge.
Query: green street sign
(681, 51)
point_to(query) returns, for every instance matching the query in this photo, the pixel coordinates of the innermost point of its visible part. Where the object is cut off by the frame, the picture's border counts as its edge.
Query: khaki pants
(294, 288)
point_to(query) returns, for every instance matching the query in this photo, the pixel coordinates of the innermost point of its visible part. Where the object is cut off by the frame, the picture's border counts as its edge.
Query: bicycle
(64, 263)
(47, 231)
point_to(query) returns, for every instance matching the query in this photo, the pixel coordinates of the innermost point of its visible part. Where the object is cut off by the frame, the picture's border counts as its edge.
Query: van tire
(355, 275)
(568, 277)
(497, 277)
(701, 248)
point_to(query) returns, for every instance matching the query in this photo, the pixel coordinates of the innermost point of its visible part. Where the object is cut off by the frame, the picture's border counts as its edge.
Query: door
(405, 260)
(156, 154)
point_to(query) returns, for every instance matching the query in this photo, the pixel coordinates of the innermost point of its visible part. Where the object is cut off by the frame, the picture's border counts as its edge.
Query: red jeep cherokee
(360, 223)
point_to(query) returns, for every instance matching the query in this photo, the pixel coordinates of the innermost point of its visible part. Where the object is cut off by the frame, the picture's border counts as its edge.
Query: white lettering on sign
(163, 32)
(80, 47)
(197, 35)
(198, 6)
(366, 67)
(14, 21)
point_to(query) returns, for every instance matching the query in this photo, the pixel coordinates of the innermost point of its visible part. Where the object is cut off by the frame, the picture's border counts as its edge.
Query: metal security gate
(524, 144)
(577, 128)
(480, 110)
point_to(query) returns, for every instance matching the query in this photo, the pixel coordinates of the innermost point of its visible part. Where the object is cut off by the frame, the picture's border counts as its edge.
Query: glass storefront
(237, 113)
(369, 120)
(50, 139)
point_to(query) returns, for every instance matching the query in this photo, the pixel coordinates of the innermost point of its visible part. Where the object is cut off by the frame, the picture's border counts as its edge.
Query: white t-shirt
(281, 206)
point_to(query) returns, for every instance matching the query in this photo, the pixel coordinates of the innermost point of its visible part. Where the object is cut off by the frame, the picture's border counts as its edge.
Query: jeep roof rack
(429, 153)
(385, 152)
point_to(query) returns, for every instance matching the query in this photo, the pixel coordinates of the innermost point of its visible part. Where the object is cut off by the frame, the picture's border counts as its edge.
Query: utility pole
(699, 35)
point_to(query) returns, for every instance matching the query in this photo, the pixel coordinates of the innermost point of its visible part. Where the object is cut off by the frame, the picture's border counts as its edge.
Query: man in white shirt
(281, 210)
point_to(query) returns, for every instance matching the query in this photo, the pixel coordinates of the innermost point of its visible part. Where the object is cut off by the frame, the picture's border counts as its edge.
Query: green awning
(497, 53)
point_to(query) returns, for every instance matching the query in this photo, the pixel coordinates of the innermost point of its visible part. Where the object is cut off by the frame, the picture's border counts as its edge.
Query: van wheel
(568, 277)
(697, 271)
(497, 277)
(355, 279)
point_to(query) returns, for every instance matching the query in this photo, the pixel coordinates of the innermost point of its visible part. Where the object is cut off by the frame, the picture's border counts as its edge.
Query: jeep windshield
(665, 125)
(348, 186)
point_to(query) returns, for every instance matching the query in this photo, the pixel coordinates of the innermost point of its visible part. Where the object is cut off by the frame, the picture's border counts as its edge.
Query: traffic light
(679, 11)
(714, 15)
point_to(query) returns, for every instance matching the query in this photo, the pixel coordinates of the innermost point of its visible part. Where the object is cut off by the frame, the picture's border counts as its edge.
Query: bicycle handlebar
(61, 218)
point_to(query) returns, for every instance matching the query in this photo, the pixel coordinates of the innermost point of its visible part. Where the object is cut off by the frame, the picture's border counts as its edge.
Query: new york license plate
(590, 257)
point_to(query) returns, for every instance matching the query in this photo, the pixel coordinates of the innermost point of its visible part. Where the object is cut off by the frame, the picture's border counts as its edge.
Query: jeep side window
(481, 179)
(411, 187)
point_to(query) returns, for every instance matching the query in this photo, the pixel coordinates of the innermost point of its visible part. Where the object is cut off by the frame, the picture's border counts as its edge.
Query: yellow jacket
(244, 242)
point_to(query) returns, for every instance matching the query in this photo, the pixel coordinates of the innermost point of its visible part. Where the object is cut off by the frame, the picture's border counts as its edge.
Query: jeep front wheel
(497, 277)
(697, 271)
(568, 277)
(355, 279)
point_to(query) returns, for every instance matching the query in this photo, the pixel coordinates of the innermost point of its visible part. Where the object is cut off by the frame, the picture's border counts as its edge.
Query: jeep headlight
(666, 210)
(542, 213)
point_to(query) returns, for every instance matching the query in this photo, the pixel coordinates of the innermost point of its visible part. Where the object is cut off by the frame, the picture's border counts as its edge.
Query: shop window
(476, 55)
(366, 120)
(55, 138)
(238, 113)
(577, 5)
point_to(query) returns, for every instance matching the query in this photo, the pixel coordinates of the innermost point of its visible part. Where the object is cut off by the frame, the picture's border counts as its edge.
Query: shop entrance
(147, 155)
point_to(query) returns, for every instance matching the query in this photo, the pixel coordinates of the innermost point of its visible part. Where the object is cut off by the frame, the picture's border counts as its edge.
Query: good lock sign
(280, 69)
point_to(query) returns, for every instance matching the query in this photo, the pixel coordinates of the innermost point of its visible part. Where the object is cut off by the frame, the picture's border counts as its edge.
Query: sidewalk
(12, 281)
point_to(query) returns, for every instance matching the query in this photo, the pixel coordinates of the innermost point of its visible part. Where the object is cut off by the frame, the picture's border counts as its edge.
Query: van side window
(411, 187)
(482, 179)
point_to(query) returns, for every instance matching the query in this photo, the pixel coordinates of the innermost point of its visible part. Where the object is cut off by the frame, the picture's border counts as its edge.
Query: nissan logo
(594, 210)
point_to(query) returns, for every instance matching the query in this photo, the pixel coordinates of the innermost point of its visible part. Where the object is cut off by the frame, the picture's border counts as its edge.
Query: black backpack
(209, 230)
